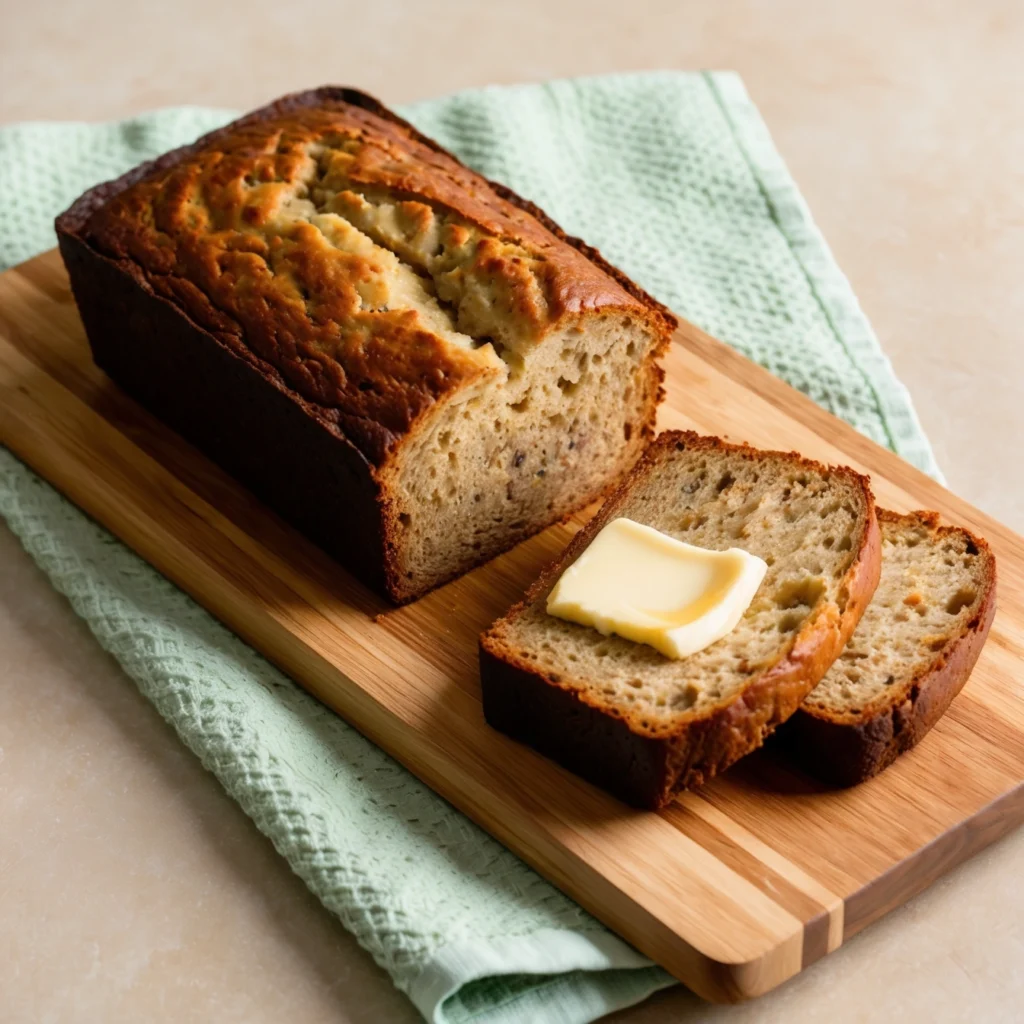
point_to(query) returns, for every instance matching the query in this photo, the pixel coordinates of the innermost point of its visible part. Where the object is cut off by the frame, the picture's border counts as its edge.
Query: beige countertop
(131, 887)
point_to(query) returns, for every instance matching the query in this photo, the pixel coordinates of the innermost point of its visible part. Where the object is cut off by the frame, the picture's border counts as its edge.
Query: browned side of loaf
(846, 753)
(235, 411)
(603, 743)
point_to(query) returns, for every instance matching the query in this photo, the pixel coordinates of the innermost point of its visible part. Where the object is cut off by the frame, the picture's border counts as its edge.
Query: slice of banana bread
(908, 658)
(643, 725)
(410, 363)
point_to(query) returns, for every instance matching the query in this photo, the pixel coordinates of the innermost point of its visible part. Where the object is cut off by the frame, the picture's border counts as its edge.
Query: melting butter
(641, 584)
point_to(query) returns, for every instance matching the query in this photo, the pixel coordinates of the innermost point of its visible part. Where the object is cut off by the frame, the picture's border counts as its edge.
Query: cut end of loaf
(502, 461)
(815, 527)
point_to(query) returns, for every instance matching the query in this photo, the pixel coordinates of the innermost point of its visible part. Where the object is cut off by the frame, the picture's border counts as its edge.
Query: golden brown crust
(847, 749)
(647, 762)
(205, 232)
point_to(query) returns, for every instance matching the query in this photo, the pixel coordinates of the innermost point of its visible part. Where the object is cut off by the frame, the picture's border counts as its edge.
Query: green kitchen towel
(675, 178)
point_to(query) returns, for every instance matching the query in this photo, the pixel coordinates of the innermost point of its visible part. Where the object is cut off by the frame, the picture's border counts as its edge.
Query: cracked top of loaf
(356, 262)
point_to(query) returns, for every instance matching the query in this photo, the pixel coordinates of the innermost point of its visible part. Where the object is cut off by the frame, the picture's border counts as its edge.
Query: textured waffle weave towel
(707, 218)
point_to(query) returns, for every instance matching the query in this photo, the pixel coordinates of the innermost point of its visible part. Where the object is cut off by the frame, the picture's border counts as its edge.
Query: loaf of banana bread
(411, 364)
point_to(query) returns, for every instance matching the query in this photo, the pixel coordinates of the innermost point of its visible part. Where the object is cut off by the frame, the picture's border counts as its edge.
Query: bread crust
(846, 750)
(380, 376)
(643, 763)
(336, 425)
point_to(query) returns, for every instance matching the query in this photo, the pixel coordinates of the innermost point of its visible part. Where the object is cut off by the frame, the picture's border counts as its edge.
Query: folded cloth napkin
(675, 178)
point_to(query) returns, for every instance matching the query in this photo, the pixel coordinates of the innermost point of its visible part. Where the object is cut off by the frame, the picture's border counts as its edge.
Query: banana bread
(909, 656)
(643, 725)
(411, 364)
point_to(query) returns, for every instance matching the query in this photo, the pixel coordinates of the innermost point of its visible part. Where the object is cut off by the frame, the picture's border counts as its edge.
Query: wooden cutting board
(735, 888)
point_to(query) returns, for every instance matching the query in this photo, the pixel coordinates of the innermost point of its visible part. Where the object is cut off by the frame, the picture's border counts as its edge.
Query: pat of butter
(653, 589)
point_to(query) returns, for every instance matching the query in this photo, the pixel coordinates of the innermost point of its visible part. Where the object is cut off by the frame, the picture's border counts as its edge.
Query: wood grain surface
(734, 888)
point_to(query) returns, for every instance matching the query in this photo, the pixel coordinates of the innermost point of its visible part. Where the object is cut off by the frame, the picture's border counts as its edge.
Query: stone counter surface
(131, 887)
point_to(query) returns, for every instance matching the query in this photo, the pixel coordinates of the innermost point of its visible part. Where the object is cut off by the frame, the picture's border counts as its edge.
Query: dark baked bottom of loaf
(234, 406)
